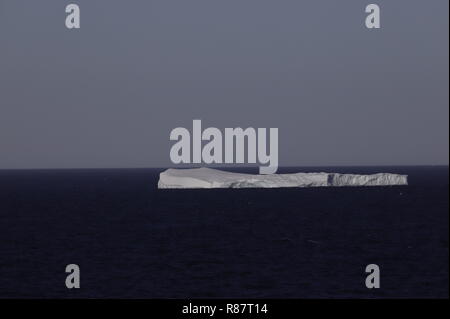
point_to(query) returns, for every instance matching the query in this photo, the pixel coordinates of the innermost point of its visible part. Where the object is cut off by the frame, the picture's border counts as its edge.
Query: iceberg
(212, 178)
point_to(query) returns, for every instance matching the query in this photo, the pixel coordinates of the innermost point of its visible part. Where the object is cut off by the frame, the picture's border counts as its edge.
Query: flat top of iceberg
(213, 178)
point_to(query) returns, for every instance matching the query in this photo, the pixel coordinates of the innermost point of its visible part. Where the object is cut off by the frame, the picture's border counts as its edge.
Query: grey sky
(109, 94)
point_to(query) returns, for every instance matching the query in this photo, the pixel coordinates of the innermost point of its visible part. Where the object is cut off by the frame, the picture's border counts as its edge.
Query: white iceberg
(213, 178)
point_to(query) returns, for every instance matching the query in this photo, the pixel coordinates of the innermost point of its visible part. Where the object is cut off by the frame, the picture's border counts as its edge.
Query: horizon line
(213, 166)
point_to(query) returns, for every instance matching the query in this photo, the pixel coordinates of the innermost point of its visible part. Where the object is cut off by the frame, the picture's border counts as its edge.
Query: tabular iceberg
(213, 178)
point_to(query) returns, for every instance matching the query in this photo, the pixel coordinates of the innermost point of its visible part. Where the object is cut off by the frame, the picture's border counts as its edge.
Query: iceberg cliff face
(213, 178)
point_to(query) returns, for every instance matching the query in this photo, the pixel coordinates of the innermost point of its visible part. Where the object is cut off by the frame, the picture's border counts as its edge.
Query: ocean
(132, 240)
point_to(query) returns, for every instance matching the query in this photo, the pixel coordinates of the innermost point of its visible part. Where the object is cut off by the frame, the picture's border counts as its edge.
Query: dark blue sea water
(132, 240)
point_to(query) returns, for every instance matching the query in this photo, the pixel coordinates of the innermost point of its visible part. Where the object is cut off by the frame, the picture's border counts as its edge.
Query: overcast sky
(109, 94)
